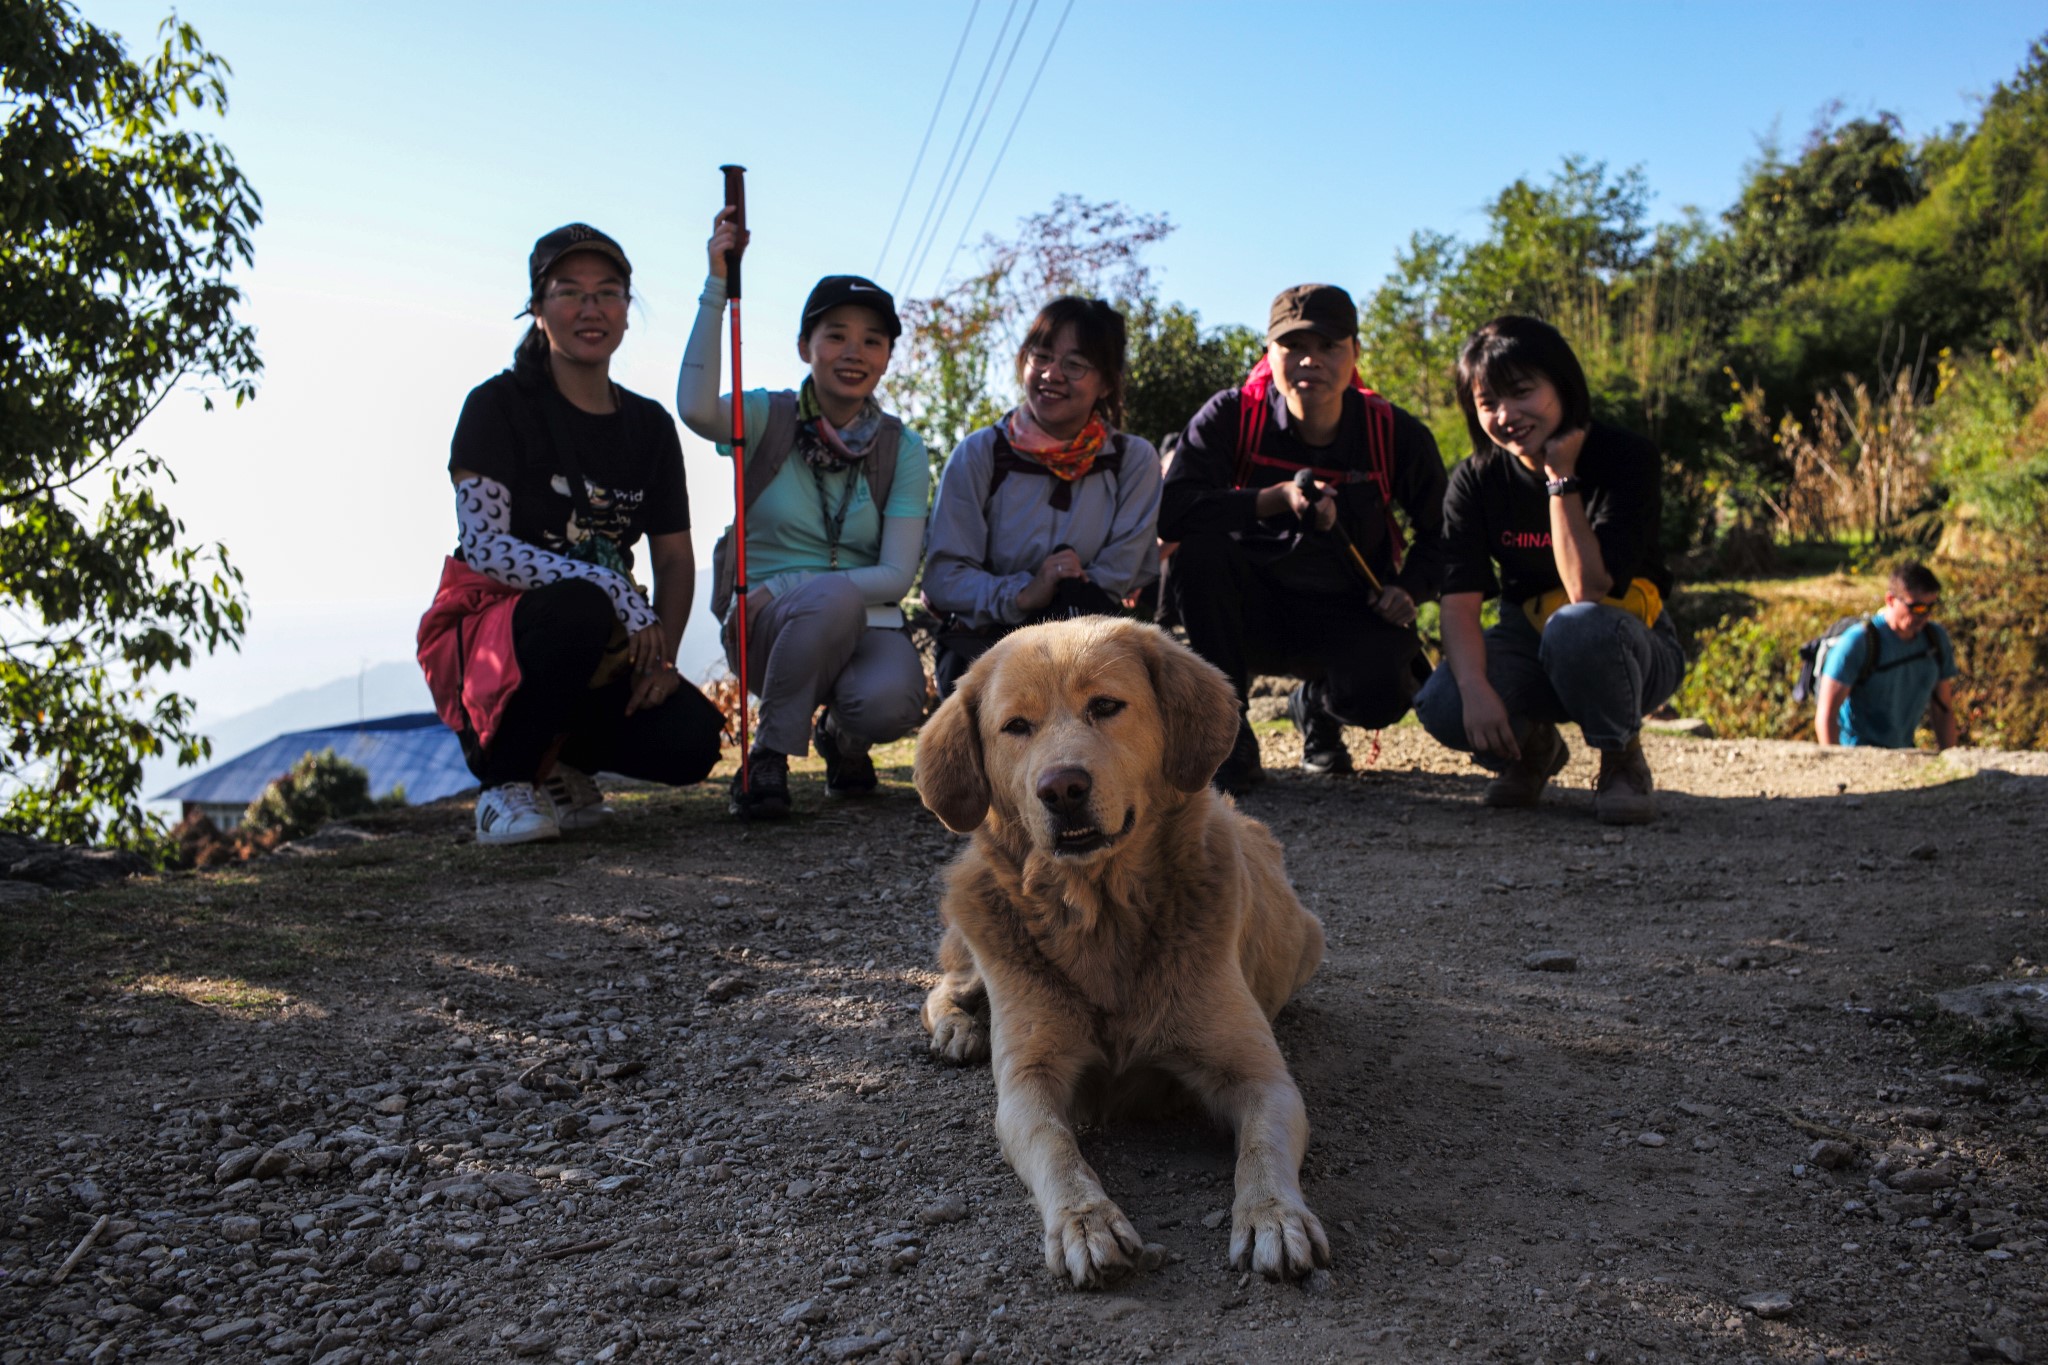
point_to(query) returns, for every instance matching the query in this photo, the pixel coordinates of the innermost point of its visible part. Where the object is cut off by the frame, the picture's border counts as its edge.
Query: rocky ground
(1577, 1094)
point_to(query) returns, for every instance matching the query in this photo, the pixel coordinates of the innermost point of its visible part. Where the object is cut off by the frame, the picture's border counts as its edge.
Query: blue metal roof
(416, 752)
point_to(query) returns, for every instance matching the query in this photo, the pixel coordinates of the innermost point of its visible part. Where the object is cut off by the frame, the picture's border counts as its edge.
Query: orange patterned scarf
(1068, 460)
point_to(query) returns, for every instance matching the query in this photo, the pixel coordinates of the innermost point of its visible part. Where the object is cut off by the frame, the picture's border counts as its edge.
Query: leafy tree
(118, 233)
(1175, 366)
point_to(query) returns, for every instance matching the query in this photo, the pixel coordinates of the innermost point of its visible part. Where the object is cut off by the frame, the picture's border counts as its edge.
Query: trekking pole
(736, 199)
(1305, 480)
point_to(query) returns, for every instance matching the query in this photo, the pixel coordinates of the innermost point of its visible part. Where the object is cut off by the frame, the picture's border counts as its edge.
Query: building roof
(416, 752)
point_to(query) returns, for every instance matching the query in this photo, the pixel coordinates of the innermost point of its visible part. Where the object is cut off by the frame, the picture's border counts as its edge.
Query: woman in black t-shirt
(1557, 515)
(558, 473)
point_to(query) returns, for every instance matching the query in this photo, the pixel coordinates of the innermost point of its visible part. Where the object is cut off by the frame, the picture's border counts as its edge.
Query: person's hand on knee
(647, 649)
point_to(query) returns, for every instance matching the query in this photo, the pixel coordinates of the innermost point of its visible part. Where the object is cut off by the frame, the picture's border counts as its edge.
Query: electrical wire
(958, 137)
(917, 164)
(968, 225)
(972, 143)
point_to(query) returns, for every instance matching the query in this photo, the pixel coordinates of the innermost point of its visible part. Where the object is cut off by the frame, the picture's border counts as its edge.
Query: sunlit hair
(1511, 349)
(1915, 578)
(530, 356)
(1099, 336)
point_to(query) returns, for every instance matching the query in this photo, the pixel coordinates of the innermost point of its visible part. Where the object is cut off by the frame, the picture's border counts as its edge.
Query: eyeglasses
(611, 296)
(1072, 366)
(1918, 608)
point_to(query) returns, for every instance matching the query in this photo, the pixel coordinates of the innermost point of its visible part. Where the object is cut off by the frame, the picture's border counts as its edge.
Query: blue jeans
(1593, 664)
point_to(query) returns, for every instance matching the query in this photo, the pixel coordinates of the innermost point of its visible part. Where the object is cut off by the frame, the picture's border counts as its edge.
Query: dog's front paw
(1095, 1245)
(1277, 1236)
(958, 1037)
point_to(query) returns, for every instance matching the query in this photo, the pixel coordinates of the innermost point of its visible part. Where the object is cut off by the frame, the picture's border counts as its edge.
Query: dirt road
(660, 1091)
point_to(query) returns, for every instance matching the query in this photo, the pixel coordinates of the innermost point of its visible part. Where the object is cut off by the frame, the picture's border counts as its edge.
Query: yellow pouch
(1642, 601)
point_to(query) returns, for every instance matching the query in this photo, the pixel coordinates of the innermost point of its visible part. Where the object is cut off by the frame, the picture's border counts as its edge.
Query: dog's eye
(1016, 725)
(1102, 708)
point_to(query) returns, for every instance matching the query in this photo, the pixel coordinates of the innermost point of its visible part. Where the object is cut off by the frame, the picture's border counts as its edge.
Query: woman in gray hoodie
(1052, 512)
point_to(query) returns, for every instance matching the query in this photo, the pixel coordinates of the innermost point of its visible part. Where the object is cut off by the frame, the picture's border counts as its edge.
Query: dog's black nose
(1065, 791)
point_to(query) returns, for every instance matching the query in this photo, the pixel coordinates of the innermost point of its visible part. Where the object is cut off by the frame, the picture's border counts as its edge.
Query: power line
(919, 162)
(965, 119)
(973, 142)
(968, 225)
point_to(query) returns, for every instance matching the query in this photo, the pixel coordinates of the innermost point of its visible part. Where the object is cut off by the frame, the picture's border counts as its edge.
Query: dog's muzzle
(1068, 795)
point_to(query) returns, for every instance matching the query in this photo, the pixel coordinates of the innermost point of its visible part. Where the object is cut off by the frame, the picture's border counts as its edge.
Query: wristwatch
(1558, 488)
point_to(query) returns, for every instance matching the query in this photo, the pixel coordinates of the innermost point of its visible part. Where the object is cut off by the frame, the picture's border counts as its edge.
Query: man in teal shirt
(1878, 699)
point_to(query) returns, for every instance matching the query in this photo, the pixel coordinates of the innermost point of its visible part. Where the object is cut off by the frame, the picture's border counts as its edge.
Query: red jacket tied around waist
(465, 650)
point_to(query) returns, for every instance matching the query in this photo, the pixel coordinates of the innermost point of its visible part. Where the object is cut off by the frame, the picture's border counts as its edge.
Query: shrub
(319, 788)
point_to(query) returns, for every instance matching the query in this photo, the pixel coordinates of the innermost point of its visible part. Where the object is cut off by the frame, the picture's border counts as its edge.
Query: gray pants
(1593, 664)
(813, 645)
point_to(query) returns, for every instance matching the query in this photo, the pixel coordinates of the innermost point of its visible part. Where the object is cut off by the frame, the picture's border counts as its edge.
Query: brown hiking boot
(1622, 794)
(1522, 782)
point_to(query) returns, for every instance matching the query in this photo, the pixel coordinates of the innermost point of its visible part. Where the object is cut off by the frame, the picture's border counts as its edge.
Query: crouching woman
(836, 491)
(1557, 515)
(1050, 513)
(540, 649)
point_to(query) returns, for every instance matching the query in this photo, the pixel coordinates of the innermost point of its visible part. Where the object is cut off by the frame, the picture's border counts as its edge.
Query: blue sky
(409, 154)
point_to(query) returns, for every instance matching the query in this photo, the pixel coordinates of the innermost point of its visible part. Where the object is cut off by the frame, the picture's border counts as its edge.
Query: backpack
(1812, 655)
(765, 458)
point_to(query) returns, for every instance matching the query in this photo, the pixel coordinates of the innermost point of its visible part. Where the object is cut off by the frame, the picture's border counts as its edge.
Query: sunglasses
(1918, 608)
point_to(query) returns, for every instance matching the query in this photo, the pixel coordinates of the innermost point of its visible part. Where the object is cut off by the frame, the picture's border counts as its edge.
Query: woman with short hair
(1052, 512)
(1558, 515)
(836, 493)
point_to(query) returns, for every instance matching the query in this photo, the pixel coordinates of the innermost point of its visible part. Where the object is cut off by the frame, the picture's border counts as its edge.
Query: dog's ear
(1199, 709)
(949, 774)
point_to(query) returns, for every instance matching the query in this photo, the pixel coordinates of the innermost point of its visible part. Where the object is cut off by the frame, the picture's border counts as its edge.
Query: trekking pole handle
(735, 198)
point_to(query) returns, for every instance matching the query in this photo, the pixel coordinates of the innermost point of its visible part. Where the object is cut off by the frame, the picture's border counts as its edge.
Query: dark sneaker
(1622, 794)
(1241, 771)
(765, 794)
(1323, 751)
(846, 774)
(1521, 784)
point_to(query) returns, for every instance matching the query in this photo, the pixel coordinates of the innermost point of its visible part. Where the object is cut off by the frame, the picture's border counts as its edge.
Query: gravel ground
(660, 1092)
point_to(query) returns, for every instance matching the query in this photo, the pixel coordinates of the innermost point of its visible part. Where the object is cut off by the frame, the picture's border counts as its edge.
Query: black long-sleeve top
(1199, 496)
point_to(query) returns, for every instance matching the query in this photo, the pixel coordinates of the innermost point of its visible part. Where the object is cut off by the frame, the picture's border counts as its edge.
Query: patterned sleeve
(483, 509)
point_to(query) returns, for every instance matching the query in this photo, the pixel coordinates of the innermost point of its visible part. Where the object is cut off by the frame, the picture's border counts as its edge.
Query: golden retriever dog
(1116, 924)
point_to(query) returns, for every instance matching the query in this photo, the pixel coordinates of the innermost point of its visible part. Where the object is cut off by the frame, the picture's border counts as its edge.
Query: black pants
(559, 634)
(957, 648)
(1365, 669)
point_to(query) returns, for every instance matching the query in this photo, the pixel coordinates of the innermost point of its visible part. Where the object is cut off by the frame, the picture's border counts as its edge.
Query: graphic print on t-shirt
(603, 512)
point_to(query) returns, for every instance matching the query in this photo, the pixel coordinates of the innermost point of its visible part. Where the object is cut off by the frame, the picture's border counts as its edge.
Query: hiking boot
(577, 801)
(1241, 771)
(1622, 794)
(515, 813)
(1522, 782)
(1323, 751)
(765, 794)
(846, 773)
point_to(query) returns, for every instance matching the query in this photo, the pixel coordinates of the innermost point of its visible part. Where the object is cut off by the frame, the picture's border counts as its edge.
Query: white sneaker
(577, 801)
(515, 813)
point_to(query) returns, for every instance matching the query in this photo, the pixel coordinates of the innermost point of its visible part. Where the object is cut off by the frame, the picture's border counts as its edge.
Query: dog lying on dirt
(1116, 929)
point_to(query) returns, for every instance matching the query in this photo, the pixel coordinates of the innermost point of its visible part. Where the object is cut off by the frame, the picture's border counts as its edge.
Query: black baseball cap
(834, 290)
(566, 240)
(1323, 309)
